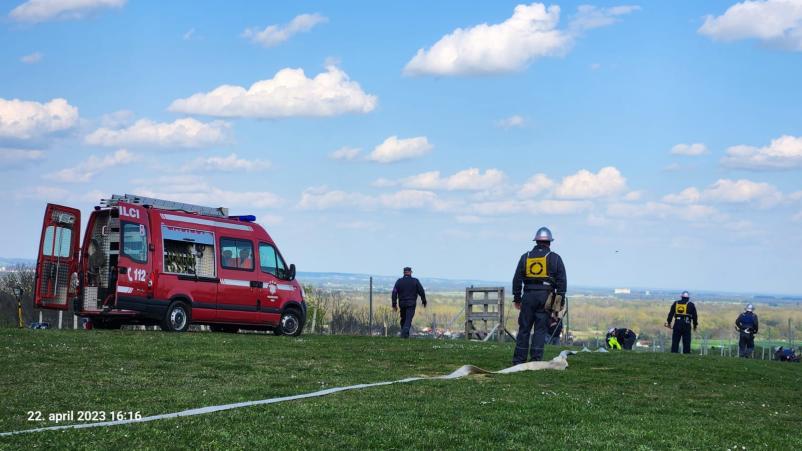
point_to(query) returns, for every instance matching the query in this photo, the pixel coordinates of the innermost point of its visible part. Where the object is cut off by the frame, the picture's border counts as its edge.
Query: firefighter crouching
(747, 326)
(620, 337)
(538, 289)
(683, 312)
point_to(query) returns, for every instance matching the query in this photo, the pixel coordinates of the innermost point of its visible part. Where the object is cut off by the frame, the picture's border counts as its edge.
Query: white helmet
(543, 234)
(750, 308)
(611, 331)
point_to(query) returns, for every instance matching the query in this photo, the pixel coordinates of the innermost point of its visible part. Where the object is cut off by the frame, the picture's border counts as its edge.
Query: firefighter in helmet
(747, 326)
(538, 289)
(624, 338)
(683, 313)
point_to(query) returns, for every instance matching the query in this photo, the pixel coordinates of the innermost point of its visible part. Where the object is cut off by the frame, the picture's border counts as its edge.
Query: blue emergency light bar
(244, 218)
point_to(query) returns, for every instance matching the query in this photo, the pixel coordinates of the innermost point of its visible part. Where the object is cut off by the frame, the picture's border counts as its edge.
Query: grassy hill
(602, 401)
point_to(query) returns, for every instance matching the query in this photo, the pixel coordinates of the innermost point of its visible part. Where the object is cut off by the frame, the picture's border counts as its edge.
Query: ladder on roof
(164, 205)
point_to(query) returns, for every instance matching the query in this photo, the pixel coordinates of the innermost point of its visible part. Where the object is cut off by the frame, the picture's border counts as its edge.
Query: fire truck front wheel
(177, 318)
(290, 323)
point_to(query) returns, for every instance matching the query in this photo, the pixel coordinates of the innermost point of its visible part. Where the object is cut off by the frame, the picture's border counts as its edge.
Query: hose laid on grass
(558, 363)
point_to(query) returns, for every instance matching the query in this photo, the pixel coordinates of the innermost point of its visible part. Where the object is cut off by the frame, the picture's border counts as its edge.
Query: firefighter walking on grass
(683, 313)
(747, 326)
(538, 289)
(405, 293)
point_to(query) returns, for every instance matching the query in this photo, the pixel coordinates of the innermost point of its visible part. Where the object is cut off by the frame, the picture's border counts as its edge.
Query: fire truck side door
(275, 291)
(135, 262)
(238, 291)
(58, 257)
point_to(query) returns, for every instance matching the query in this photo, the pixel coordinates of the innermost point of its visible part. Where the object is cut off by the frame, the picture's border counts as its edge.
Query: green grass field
(602, 401)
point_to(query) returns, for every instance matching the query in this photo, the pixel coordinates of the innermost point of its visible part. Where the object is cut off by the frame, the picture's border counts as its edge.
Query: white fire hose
(558, 363)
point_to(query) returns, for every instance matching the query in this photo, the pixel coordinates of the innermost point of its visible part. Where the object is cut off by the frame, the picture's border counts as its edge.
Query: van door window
(236, 254)
(135, 242)
(57, 242)
(271, 262)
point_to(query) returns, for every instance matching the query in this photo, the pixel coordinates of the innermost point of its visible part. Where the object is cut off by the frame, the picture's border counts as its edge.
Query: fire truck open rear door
(58, 258)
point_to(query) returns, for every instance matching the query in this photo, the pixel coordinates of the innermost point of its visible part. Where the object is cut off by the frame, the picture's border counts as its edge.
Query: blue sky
(661, 141)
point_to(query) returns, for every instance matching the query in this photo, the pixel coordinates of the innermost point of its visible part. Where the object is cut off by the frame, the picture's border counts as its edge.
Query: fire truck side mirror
(291, 275)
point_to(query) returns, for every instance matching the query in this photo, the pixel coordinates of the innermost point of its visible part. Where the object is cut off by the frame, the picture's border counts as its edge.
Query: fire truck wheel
(177, 318)
(290, 324)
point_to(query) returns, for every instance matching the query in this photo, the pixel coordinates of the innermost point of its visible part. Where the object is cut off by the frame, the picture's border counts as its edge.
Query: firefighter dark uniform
(540, 272)
(623, 336)
(747, 325)
(405, 295)
(683, 312)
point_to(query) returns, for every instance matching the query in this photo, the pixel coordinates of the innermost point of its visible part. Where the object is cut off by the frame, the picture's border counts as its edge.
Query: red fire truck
(156, 262)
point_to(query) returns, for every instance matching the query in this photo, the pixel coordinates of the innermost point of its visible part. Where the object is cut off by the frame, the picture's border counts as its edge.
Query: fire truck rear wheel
(177, 317)
(290, 324)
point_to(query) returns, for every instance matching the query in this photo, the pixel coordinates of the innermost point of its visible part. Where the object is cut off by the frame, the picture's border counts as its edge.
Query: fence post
(370, 309)
(60, 316)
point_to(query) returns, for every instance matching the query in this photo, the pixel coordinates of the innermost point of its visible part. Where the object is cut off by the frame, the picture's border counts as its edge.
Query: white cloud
(471, 219)
(797, 217)
(186, 133)
(777, 23)
(514, 121)
(35, 11)
(544, 207)
(384, 183)
(20, 119)
(658, 210)
(274, 35)
(687, 196)
(394, 149)
(412, 199)
(289, 93)
(587, 185)
(230, 163)
(530, 33)
(117, 119)
(784, 152)
(729, 191)
(12, 157)
(345, 153)
(743, 191)
(48, 193)
(32, 58)
(633, 196)
(196, 190)
(537, 184)
(469, 180)
(589, 17)
(691, 150)
(359, 225)
(320, 198)
(88, 169)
